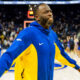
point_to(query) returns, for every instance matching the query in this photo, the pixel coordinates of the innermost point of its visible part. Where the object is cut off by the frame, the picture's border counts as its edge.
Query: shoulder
(27, 30)
(53, 33)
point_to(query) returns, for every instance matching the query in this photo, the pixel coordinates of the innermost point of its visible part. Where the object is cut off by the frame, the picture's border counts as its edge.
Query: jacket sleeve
(66, 60)
(22, 41)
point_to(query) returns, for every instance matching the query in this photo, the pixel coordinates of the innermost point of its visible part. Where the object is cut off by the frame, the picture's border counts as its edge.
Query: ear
(37, 18)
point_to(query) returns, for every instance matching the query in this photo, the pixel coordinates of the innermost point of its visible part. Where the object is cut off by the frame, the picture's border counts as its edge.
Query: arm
(22, 41)
(61, 54)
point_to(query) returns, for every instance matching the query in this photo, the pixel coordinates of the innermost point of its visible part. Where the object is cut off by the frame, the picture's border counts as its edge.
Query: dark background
(66, 21)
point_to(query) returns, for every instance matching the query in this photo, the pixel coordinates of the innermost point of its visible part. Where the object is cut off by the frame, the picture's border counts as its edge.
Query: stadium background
(66, 25)
(12, 17)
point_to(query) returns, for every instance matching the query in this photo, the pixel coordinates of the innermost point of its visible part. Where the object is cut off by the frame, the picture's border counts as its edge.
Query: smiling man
(36, 46)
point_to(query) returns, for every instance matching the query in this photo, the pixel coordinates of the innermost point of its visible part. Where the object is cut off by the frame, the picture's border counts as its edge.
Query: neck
(44, 26)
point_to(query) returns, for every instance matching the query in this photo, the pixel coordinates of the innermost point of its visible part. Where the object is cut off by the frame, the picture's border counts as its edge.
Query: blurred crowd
(11, 23)
(68, 28)
(8, 33)
(66, 24)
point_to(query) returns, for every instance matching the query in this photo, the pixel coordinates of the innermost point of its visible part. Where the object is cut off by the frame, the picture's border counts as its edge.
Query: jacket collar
(42, 29)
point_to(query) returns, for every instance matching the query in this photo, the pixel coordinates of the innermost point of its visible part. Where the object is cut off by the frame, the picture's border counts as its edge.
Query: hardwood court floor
(67, 73)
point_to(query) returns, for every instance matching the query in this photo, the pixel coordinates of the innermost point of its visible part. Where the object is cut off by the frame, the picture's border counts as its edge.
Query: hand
(79, 70)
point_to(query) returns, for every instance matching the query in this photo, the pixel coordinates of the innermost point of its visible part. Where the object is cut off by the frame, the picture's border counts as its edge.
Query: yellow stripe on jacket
(27, 65)
(60, 58)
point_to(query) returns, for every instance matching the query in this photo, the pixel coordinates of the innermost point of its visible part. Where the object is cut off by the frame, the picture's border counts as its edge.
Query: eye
(46, 11)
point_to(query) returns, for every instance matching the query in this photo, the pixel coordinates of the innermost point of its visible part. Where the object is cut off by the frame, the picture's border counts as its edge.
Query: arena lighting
(38, 2)
(30, 14)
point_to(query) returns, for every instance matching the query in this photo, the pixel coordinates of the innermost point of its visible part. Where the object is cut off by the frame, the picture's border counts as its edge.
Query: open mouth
(50, 20)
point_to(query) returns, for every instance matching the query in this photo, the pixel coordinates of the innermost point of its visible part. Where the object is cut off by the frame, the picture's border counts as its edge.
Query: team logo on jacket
(41, 44)
(18, 39)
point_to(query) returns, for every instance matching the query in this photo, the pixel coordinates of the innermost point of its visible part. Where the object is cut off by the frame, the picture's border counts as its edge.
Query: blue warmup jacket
(40, 62)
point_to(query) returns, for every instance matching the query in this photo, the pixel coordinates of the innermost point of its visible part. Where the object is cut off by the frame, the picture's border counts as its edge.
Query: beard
(46, 21)
(49, 21)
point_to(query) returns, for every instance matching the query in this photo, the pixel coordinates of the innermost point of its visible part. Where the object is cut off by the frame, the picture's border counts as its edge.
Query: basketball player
(38, 43)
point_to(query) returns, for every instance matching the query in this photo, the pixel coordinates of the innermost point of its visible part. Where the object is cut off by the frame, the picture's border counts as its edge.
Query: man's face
(44, 15)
